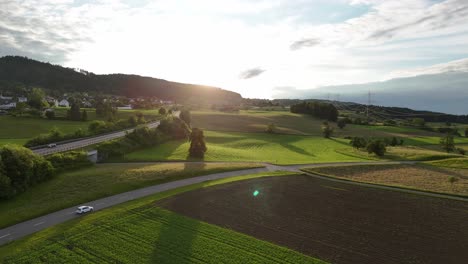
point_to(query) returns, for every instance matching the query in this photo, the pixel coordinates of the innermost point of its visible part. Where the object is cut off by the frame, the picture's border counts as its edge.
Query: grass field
(139, 232)
(290, 123)
(426, 178)
(457, 163)
(253, 147)
(103, 180)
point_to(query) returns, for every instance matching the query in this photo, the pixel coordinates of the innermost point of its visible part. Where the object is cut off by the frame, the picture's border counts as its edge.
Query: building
(6, 106)
(125, 107)
(22, 99)
(64, 103)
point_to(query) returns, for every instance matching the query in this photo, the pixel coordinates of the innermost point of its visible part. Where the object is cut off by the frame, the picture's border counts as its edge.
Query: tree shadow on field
(175, 238)
(296, 149)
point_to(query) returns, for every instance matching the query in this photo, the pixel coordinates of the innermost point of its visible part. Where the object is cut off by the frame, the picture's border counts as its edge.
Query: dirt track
(336, 222)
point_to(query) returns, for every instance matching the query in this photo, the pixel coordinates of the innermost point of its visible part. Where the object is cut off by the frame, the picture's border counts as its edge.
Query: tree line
(317, 109)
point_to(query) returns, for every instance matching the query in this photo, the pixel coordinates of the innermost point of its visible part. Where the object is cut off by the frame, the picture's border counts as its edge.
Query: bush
(69, 160)
(174, 127)
(358, 142)
(162, 111)
(50, 114)
(377, 147)
(20, 169)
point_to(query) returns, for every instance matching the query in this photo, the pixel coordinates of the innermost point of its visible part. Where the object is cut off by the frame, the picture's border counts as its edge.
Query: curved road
(20, 230)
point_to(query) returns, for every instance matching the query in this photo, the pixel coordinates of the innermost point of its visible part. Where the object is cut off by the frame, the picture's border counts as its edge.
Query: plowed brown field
(335, 222)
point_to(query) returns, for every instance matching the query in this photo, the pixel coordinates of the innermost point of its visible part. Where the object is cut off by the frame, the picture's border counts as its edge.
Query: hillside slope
(57, 79)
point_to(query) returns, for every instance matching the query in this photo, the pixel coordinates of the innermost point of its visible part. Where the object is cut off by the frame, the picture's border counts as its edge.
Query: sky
(257, 48)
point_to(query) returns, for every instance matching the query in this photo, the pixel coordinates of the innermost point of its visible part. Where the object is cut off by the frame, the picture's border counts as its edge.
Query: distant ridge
(57, 80)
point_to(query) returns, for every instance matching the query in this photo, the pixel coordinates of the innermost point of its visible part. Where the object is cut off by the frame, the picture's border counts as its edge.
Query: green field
(290, 123)
(99, 181)
(18, 130)
(139, 232)
(253, 147)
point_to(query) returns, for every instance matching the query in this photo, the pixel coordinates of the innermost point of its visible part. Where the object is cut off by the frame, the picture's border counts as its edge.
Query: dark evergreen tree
(197, 144)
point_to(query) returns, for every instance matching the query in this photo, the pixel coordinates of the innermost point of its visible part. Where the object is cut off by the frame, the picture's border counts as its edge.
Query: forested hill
(58, 80)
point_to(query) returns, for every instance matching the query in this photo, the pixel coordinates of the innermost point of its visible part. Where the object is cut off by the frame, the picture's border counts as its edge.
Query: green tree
(377, 147)
(466, 132)
(6, 189)
(197, 144)
(74, 113)
(341, 123)
(36, 99)
(162, 111)
(21, 108)
(84, 116)
(447, 143)
(186, 116)
(358, 142)
(419, 122)
(327, 130)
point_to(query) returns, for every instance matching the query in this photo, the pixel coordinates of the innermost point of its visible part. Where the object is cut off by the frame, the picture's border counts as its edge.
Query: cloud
(251, 73)
(452, 66)
(438, 16)
(39, 30)
(304, 43)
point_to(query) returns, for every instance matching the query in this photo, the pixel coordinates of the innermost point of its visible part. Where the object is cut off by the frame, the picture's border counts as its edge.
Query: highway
(87, 141)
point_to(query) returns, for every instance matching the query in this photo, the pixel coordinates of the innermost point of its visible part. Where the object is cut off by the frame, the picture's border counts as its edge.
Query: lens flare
(255, 193)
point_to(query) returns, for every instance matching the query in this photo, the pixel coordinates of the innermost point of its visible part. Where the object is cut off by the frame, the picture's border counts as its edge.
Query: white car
(52, 145)
(84, 209)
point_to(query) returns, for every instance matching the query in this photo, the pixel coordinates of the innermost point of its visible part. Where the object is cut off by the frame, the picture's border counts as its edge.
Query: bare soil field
(422, 177)
(335, 222)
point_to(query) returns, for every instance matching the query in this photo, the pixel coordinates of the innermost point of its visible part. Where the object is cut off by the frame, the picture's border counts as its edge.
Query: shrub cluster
(69, 160)
(376, 146)
(20, 169)
(170, 128)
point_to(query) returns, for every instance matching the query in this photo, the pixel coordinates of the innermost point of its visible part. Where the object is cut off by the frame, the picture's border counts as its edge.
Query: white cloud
(453, 66)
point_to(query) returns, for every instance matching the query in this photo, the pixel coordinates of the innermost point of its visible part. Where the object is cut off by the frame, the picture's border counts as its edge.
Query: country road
(87, 141)
(23, 229)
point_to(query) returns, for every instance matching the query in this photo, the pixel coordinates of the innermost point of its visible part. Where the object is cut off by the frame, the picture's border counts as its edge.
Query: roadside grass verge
(74, 188)
(140, 232)
(416, 177)
(253, 147)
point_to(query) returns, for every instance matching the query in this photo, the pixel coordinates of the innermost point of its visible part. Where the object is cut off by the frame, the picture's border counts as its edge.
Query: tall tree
(327, 130)
(36, 99)
(197, 144)
(74, 112)
(84, 116)
(447, 143)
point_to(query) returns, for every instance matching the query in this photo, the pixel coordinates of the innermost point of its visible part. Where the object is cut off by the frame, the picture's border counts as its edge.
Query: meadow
(102, 180)
(253, 147)
(18, 130)
(139, 232)
(290, 123)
